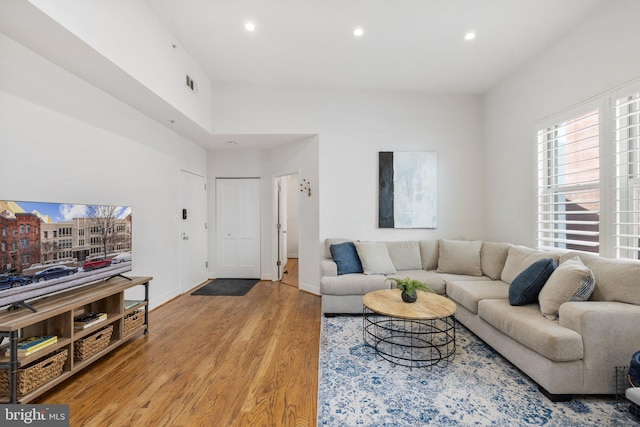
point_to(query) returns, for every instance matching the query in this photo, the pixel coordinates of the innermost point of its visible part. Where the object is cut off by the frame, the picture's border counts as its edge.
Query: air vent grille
(191, 84)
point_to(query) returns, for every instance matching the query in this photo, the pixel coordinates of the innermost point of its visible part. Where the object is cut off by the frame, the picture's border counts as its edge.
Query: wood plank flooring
(208, 361)
(290, 277)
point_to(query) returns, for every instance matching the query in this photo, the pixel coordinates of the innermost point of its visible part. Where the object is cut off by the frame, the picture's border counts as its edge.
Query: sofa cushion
(447, 277)
(526, 287)
(429, 254)
(332, 241)
(525, 325)
(375, 258)
(353, 284)
(346, 257)
(459, 257)
(492, 258)
(429, 278)
(469, 293)
(571, 281)
(405, 255)
(616, 279)
(521, 257)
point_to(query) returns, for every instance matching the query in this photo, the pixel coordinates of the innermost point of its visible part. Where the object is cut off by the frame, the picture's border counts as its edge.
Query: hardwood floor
(208, 361)
(290, 276)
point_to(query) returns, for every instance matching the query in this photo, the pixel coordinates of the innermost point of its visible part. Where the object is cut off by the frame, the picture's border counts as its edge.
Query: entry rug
(356, 387)
(227, 287)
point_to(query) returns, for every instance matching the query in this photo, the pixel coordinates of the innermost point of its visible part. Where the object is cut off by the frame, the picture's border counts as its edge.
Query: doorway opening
(287, 224)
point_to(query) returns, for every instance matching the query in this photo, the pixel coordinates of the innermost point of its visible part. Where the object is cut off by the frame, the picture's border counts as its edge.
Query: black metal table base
(411, 343)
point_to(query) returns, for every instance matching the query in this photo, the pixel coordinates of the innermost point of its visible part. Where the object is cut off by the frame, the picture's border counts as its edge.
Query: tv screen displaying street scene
(46, 247)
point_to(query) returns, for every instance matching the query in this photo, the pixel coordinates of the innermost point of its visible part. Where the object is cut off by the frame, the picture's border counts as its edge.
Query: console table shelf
(55, 316)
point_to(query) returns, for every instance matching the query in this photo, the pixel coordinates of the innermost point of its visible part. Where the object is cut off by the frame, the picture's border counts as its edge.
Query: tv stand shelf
(55, 316)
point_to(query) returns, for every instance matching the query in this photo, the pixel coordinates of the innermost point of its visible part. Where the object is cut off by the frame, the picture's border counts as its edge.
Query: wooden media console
(25, 377)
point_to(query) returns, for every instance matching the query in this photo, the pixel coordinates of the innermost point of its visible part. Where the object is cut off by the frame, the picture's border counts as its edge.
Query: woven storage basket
(92, 344)
(33, 376)
(133, 321)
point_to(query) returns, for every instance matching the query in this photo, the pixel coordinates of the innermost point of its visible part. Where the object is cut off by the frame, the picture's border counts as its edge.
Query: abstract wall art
(407, 189)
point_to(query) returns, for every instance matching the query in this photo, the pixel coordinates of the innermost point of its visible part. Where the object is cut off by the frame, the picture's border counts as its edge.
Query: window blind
(568, 184)
(626, 111)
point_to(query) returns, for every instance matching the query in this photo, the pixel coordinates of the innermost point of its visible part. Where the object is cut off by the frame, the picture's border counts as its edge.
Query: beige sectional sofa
(566, 346)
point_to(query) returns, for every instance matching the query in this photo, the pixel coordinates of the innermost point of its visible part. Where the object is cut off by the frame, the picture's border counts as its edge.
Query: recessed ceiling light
(470, 35)
(250, 26)
(358, 32)
(231, 143)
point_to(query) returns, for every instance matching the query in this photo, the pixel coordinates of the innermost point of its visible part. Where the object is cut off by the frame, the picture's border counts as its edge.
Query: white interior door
(238, 227)
(192, 216)
(282, 226)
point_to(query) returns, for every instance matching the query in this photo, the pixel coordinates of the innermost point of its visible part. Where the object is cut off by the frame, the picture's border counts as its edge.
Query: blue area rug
(478, 388)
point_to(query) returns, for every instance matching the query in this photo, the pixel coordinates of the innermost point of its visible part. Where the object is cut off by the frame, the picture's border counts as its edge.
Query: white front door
(238, 227)
(192, 217)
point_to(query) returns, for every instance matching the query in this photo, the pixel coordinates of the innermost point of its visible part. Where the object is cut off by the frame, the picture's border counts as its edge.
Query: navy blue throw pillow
(527, 285)
(634, 369)
(346, 257)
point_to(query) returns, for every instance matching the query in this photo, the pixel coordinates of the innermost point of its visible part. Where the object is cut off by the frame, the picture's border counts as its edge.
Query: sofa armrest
(329, 268)
(589, 317)
(609, 333)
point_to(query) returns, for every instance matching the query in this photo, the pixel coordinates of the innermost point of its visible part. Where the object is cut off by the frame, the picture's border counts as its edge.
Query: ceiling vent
(191, 84)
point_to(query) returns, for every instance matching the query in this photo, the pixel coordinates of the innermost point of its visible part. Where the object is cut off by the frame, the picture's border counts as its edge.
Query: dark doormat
(227, 287)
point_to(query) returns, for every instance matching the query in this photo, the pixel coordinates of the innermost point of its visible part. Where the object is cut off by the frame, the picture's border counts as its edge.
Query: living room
(66, 106)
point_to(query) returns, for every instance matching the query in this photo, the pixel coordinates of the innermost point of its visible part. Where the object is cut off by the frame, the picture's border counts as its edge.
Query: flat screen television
(49, 247)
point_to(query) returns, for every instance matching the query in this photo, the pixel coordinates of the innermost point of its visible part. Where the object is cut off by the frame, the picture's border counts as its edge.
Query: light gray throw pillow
(375, 258)
(571, 281)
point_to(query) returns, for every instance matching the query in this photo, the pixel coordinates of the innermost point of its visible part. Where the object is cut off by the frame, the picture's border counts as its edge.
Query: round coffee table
(421, 334)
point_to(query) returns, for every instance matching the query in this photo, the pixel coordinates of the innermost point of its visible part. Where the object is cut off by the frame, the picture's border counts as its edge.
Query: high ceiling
(412, 45)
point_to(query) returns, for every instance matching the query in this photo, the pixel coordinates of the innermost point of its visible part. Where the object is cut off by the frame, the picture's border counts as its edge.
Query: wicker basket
(86, 347)
(37, 373)
(133, 321)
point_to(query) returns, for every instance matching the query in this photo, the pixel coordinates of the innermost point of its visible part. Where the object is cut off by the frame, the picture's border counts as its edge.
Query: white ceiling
(408, 45)
(412, 45)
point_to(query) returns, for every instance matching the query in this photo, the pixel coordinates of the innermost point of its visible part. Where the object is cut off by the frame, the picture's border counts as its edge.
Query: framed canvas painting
(407, 189)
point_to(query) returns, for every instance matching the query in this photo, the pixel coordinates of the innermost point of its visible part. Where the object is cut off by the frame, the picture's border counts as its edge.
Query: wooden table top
(388, 302)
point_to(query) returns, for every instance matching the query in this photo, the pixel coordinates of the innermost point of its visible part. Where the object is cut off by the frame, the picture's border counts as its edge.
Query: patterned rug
(479, 387)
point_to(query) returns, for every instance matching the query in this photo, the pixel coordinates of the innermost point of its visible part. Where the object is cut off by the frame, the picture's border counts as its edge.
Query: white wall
(293, 226)
(598, 55)
(129, 35)
(63, 140)
(353, 126)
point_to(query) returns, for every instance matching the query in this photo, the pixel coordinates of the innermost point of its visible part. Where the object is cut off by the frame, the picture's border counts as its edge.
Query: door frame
(275, 235)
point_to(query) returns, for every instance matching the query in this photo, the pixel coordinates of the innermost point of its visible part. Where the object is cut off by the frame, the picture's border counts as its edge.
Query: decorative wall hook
(305, 187)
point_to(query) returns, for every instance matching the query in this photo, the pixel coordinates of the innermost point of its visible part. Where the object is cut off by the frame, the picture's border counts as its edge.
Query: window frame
(625, 91)
(609, 223)
(569, 115)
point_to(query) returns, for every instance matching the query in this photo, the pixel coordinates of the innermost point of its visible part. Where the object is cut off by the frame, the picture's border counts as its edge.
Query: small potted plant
(408, 287)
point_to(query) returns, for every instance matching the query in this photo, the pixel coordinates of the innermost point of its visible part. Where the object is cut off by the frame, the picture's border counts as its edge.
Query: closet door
(238, 227)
